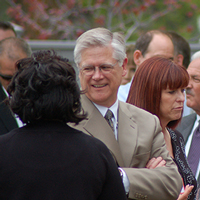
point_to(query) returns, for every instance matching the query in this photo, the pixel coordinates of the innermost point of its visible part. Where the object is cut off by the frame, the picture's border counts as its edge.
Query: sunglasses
(6, 77)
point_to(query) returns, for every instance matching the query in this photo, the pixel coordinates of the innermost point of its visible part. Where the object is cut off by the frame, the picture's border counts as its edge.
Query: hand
(156, 162)
(185, 194)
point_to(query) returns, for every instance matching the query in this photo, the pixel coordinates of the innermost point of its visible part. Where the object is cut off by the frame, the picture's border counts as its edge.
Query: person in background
(182, 54)
(153, 42)
(132, 135)
(11, 50)
(189, 126)
(47, 159)
(130, 67)
(182, 51)
(195, 55)
(6, 30)
(158, 87)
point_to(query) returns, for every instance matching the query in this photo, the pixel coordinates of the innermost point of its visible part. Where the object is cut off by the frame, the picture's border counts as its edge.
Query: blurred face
(101, 87)
(130, 72)
(7, 69)
(171, 105)
(193, 88)
(6, 34)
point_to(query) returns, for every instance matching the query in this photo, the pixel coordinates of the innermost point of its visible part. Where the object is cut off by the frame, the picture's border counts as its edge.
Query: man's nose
(97, 73)
(189, 84)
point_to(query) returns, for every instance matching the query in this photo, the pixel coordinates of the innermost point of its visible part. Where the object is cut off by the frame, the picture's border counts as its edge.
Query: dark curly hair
(45, 88)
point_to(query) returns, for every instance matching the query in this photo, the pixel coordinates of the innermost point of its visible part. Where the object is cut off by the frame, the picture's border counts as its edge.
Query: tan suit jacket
(139, 139)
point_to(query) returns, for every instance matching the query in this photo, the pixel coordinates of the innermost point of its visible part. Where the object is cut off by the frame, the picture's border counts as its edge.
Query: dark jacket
(185, 128)
(52, 161)
(7, 119)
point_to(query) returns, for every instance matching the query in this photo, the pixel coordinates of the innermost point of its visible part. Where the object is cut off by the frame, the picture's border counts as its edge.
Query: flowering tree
(61, 19)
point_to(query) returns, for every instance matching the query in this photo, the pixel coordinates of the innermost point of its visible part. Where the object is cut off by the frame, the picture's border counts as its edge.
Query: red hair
(154, 75)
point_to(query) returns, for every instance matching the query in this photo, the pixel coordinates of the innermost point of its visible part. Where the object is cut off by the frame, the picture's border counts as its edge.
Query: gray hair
(195, 55)
(12, 46)
(101, 37)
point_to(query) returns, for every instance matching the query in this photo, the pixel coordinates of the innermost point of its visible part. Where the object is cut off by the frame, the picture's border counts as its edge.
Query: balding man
(151, 43)
(11, 50)
(6, 30)
(189, 126)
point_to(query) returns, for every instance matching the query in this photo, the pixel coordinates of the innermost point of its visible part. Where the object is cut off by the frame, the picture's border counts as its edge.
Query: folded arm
(159, 183)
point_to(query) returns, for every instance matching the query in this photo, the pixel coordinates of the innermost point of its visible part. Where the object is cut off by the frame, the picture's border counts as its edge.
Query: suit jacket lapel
(127, 134)
(97, 126)
(188, 125)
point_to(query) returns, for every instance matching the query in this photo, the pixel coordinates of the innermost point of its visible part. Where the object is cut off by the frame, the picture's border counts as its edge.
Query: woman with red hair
(158, 87)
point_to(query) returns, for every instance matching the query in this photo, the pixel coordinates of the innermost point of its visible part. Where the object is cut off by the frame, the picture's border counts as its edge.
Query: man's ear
(179, 59)
(124, 72)
(138, 57)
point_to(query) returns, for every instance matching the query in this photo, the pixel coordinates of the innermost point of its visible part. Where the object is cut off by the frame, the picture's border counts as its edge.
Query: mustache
(189, 91)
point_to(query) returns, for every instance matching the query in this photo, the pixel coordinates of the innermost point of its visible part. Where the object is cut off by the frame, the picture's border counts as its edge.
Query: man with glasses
(132, 135)
(11, 50)
(189, 126)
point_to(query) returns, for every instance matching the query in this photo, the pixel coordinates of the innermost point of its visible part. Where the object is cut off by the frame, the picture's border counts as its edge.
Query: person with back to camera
(158, 87)
(47, 159)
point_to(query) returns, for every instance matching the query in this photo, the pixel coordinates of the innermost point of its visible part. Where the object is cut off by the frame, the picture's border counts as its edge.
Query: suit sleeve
(160, 183)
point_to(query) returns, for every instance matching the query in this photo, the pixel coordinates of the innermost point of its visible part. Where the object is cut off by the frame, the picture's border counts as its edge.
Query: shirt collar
(5, 91)
(113, 108)
(198, 118)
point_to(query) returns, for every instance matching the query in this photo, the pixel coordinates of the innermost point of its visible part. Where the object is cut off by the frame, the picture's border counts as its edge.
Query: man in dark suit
(133, 135)
(190, 123)
(11, 50)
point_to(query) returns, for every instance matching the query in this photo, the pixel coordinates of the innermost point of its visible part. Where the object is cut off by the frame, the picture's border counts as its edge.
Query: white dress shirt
(114, 109)
(19, 122)
(123, 91)
(188, 143)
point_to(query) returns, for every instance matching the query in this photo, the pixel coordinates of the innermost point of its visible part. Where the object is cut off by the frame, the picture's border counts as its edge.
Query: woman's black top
(181, 161)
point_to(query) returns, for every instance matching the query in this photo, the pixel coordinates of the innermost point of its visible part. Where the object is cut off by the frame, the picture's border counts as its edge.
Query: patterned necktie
(194, 153)
(108, 118)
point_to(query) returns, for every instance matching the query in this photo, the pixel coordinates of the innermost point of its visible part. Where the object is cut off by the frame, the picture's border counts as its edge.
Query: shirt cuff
(125, 180)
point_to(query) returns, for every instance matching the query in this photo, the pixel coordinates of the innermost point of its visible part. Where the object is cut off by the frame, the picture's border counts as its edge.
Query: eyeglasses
(104, 68)
(6, 77)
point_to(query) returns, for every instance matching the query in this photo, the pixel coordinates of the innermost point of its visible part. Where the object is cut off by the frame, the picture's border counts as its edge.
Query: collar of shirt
(19, 122)
(196, 123)
(188, 143)
(113, 108)
(5, 91)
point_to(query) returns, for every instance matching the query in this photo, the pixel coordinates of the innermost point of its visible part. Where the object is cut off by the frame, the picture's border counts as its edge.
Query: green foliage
(61, 19)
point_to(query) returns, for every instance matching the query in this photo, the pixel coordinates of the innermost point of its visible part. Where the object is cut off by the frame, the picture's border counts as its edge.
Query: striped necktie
(109, 115)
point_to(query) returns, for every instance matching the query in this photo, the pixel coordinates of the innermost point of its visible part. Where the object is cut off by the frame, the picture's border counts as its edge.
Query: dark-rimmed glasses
(89, 70)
